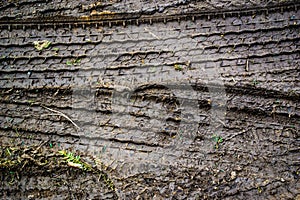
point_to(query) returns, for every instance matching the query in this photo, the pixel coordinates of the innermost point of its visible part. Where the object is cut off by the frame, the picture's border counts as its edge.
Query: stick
(152, 34)
(236, 134)
(63, 115)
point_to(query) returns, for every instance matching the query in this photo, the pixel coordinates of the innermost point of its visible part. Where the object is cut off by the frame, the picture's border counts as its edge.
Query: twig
(247, 65)
(222, 123)
(63, 115)
(236, 134)
(107, 121)
(152, 34)
(233, 80)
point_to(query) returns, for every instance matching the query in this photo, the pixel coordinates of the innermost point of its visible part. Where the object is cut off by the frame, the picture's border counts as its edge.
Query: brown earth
(163, 99)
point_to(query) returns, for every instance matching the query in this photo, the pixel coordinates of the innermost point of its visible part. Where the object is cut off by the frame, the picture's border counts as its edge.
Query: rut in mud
(177, 100)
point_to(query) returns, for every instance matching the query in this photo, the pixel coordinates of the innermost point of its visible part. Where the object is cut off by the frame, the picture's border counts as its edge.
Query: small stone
(233, 175)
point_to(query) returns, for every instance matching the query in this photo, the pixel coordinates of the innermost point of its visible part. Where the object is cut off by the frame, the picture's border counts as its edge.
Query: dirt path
(173, 104)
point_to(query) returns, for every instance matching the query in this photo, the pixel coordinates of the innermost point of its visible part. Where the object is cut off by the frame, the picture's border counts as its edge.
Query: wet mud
(165, 100)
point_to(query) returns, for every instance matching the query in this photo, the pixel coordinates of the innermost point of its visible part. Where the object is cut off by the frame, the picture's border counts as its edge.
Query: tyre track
(145, 136)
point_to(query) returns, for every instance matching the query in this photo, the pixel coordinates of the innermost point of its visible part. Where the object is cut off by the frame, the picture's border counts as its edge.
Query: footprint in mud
(156, 110)
(152, 113)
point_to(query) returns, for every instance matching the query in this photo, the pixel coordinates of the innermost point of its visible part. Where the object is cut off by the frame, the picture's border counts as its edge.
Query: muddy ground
(149, 99)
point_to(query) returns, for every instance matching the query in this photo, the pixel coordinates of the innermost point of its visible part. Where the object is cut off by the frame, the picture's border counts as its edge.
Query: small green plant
(73, 62)
(74, 161)
(56, 50)
(259, 189)
(178, 67)
(218, 140)
(255, 82)
(30, 101)
(103, 149)
(40, 45)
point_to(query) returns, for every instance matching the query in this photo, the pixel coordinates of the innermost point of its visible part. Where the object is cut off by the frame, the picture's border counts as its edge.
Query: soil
(163, 99)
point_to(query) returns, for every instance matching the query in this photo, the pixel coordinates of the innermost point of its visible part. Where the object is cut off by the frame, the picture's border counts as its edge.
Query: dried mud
(169, 100)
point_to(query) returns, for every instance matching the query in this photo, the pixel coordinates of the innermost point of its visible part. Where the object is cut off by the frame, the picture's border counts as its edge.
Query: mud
(22, 9)
(175, 100)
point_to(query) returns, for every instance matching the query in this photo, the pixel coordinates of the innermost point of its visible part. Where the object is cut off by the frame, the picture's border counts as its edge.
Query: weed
(8, 153)
(218, 140)
(178, 67)
(74, 161)
(73, 62)
(55, 50)
(14, 160)
(107, 181)
(255, 82)
(31, 102)
(259, 190)
(69, 62)
(40, 45)
(103, 149)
